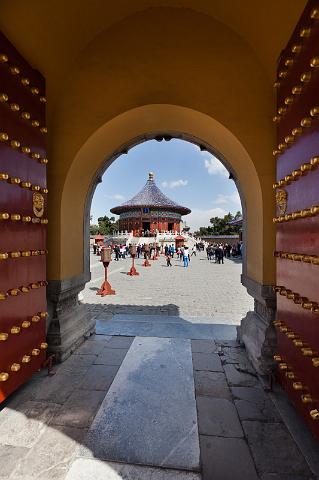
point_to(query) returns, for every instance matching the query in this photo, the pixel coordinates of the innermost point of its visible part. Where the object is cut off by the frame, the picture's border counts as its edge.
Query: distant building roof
(151, 196)
(237, 221)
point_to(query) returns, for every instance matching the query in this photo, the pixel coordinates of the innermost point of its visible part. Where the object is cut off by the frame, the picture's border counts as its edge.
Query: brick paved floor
(205, 289)
(44, 425)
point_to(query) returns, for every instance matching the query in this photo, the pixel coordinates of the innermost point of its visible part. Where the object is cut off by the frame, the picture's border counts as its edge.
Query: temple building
(150, 211)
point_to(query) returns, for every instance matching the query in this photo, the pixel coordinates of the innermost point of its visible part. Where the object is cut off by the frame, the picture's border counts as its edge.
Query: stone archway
(98, 152)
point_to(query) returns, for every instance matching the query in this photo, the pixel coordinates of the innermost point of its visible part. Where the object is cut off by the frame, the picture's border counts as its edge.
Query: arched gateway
(120, 75)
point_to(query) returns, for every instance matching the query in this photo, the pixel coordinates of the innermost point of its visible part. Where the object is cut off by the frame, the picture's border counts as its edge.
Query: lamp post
(106, 288)
(146, 263)
(133, 271)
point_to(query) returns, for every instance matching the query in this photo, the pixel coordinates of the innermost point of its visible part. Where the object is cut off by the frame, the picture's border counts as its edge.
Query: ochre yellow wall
(158, 70)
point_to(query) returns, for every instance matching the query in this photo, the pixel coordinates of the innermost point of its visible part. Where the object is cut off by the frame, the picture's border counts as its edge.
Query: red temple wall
(136, 225)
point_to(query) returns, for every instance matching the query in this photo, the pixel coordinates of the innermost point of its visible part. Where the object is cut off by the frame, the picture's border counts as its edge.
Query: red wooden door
(23, 206)
(297, 220)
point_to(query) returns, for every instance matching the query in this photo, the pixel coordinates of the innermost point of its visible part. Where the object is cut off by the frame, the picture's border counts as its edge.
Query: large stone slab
(211, 384)
(204, 346)
(226, 459)
(218, 416)
(207, 361)
(252, 403)
(166, 330)
(89, 469)
(273, 449)
(149, 416)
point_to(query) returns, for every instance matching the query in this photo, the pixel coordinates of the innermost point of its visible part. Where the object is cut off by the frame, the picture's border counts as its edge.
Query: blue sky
(192, 178)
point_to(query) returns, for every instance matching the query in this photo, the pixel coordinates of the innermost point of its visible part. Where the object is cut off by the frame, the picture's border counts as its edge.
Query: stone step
(153, 328)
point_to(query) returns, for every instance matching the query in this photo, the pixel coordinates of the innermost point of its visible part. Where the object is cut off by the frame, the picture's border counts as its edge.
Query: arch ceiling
(50, 34)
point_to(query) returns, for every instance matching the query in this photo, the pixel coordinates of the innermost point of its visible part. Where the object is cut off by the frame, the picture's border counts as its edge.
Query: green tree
(107, 226)
(94, 229)
(220, 226)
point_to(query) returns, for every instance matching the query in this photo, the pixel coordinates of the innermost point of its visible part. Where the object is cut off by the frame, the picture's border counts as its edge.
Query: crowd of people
(215, 252)
(123, 251)
(218, 251)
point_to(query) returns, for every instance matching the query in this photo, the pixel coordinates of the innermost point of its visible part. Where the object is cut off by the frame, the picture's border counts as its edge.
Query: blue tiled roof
(150, 196)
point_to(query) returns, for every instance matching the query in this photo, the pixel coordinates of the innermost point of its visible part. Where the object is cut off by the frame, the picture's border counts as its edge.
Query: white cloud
(174, 183)
(214, 166)
(231, 200)
(116, 196)
(200, 218)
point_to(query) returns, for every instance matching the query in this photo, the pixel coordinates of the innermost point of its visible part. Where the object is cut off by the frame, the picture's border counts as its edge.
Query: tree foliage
(220, 226)
(106, 226)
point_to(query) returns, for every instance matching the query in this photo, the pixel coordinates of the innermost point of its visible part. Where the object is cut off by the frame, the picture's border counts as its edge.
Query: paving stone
(80, 409)
(218, 416)
(273, 449)
(98, 377)
(228, 343)
(235, 355)
(204, 346)
(91, 469)
(120, 342)
(93, 347)
(59, 387)
(226, 459)
(99, 338)
(78, 361)
(22, 427)
(70, 369)
(253, 404)
(207, 361)
(111, 356)
(236, 377)
(24, 393)
(212, 384)
(9, 456)
(55, 451)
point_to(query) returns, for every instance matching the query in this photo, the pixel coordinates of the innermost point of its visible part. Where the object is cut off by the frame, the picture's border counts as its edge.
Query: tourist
(186, 256)
(94, 248)
(117, 252)
(138, 251)
(194, 251)
(219, 254)
(168, 261)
